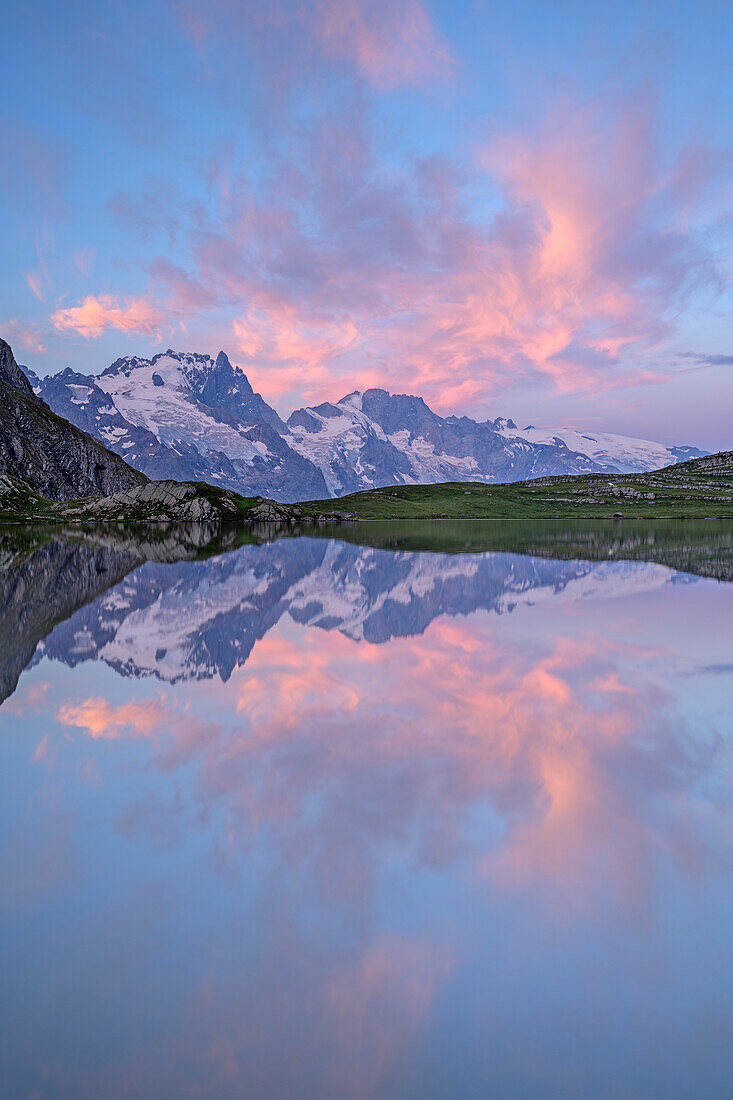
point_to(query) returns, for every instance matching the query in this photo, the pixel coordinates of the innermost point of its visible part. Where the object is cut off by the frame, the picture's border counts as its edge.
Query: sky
(520, 209)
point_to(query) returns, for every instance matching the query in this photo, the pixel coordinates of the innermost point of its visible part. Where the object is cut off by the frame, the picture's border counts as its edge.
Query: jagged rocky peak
(502, 422)
(11, 373)
(397, 412)
(191, 377)
(301, 418)
(188, 416)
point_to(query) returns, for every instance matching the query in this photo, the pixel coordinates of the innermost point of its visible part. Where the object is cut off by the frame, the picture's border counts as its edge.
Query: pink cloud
(392, 45)
(548, 736)
(388, 45)
(352, 273)
(28, 700)
(24, 334)
(97, 314)
(573, 742)
(35, 283)
(104, 722)
(84, 258)
(376, 1005)
(560, 258)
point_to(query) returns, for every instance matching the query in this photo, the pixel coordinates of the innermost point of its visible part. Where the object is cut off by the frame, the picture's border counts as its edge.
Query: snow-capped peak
(623, 453)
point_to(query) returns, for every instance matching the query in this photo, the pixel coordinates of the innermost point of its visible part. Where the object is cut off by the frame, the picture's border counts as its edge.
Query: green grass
(685, 494)
(688, 490)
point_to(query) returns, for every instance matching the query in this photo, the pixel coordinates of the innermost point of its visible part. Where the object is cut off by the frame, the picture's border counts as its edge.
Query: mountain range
(186, 416)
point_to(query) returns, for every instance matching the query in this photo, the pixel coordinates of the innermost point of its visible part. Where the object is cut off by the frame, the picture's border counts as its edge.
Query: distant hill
(699, 487)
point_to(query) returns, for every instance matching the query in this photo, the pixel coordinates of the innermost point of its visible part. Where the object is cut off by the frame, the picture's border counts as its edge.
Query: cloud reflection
(573, 744)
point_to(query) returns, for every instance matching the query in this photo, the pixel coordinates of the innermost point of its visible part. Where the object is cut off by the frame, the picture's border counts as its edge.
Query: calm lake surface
(392, 814)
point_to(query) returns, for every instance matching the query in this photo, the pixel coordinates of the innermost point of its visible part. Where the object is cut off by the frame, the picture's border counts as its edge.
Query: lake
(398, 810)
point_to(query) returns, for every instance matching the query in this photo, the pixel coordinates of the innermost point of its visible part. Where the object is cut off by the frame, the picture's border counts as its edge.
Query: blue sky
(519, 209)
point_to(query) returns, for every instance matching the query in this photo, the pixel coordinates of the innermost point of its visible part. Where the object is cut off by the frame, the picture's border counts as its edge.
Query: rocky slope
(43, 586)
(11, 373)
(40, 449)
(43, 581)
(190, 417)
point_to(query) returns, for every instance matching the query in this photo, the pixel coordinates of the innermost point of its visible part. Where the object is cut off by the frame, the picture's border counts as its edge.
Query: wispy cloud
(702, 359)
(26, 335)
(388, 45)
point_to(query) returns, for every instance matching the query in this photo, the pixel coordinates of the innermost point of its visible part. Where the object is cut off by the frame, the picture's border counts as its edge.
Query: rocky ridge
(163, 501)
(44, 453)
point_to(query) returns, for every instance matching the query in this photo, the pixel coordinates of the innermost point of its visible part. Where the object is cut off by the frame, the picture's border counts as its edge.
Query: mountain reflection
(408, 817)
(195, 620)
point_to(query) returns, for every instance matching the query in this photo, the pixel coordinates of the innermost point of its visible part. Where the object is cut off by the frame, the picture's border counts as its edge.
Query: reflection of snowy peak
(197, 620)
(184, 415)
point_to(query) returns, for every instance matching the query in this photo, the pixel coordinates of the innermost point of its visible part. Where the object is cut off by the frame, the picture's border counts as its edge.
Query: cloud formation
(701, 359)
(102, 721)
(388, 45)
(573, 742)
(569, 269)
(23, 334)
(339, 199)
(97, 314)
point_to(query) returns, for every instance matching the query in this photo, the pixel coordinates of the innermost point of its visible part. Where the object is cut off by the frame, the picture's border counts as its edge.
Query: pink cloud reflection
(570, 744)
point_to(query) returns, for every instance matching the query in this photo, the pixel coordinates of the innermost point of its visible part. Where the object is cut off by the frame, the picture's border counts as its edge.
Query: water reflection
(319, 818)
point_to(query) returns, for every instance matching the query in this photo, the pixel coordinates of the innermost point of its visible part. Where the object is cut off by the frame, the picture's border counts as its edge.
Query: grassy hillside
(701, 487)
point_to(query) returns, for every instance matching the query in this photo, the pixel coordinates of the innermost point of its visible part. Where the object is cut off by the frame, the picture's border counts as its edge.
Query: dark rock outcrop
(11, 373)
(53, 457)
(160, 501)
(43, 586)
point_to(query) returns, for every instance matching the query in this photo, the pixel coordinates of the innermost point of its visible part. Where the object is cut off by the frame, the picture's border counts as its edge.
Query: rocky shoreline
(161, 502)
